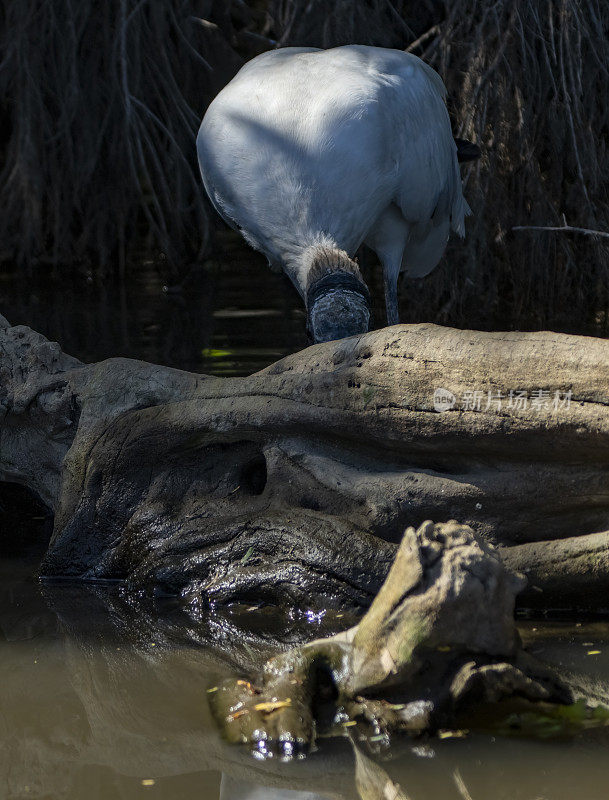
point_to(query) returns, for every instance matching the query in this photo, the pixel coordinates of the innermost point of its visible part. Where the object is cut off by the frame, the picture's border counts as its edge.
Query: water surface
(232, 316)
(98, 700)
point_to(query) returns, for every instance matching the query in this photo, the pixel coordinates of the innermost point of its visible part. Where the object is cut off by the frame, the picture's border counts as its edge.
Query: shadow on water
(103, 698)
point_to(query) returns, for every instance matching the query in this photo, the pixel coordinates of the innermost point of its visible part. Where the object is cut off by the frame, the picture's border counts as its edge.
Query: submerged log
(440, 634)
(294, 485)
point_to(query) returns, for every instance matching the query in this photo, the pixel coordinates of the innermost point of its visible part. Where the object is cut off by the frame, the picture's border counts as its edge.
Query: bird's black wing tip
(467, 151)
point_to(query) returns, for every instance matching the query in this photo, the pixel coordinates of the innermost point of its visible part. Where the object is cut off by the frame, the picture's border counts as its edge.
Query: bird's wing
(429, 186)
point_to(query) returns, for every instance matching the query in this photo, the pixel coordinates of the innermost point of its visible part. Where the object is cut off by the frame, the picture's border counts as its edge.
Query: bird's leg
(391, 297)
(388, 239)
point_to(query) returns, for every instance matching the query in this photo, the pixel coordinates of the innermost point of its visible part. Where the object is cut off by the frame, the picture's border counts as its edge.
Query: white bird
(311, 152)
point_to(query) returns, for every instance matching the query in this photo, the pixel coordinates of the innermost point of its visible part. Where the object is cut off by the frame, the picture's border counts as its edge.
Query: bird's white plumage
(308, 147)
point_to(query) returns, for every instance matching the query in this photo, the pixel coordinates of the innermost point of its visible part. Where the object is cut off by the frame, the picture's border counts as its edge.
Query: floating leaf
(458, 734)
(236, 714)
(272, 705)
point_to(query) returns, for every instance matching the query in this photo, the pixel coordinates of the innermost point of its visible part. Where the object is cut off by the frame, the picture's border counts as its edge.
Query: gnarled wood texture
(296, 483)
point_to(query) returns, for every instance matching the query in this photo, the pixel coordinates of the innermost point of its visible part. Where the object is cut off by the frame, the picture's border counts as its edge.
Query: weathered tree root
(293, 486)
(439, 635)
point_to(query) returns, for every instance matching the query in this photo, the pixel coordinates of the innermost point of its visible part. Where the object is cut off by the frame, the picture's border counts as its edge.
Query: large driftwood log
(296, 483)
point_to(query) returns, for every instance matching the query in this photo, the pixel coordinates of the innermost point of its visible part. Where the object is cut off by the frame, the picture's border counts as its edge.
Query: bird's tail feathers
(460, 207)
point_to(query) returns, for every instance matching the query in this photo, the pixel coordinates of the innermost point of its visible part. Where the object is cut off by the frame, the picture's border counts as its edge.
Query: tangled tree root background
(101, 104)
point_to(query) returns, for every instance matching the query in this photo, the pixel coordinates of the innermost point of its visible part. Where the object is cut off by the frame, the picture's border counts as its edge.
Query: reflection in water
(231, 317)
(372, 781)
(99, 698)
(237, 789)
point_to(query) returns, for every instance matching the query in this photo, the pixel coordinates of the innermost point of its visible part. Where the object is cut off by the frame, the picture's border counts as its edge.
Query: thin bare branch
(562, 228)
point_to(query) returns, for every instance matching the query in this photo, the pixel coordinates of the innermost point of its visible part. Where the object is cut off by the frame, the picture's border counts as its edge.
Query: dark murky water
(102, 700)
(225, 318)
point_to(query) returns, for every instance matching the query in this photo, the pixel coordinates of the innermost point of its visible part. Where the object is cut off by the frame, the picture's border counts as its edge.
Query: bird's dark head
(338, 301)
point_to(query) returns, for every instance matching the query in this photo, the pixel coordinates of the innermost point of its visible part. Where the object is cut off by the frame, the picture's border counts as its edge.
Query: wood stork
(311, 152)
